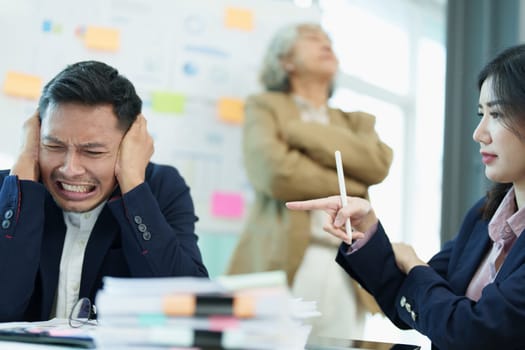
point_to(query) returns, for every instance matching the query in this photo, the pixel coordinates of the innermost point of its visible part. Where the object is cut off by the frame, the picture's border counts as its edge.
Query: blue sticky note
(47, 25)
(190, 68)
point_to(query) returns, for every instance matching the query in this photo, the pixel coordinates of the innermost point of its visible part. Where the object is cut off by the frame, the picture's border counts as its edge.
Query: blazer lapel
(285, 106)
(104, 233)
(336, 117)
(51, 253)
(471, 256)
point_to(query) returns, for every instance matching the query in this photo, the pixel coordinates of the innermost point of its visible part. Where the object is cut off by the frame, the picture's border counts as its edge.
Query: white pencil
(342, 190)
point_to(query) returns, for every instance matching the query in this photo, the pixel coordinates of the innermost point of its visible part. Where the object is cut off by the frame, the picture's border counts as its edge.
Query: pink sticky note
(227, 205)
(221, 323)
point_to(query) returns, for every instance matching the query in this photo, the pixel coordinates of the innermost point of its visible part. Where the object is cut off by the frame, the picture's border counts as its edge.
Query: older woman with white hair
(289, 138)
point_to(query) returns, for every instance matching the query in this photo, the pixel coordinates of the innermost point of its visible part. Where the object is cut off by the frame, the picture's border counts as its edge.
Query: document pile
(253, 311)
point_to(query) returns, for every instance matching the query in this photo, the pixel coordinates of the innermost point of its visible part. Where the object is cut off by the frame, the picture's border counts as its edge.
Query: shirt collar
(304, 104)
(310, 113)
(84, 219)
(507, 219)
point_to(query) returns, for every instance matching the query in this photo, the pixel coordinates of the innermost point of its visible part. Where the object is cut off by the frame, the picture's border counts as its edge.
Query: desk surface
(313, 344)
(322, 343)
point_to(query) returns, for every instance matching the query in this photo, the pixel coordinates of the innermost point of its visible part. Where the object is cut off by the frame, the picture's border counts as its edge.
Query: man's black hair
(93, 83)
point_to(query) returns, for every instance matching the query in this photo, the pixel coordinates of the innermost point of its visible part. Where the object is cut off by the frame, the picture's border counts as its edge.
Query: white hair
(273, 76)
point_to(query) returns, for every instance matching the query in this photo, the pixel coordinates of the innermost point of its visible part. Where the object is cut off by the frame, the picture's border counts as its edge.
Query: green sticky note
(168, 102)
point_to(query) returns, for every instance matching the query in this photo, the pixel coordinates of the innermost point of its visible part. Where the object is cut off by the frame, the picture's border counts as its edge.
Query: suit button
(6, 224)
(142, 228)
(408, 307)
(8, 214)
(137, 219)
(146, 236)
(402, 301)
(413, 315)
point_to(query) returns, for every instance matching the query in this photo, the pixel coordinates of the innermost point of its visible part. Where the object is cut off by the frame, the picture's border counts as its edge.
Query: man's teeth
(76, 188)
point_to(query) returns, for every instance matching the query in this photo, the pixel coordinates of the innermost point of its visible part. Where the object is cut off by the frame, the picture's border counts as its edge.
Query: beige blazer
(287, 159)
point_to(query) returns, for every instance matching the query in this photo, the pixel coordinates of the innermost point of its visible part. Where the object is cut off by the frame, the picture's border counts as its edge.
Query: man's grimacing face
(78, 150)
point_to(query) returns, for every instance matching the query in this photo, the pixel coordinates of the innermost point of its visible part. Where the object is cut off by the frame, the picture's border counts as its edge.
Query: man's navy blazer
(148, 232)
(432, 299)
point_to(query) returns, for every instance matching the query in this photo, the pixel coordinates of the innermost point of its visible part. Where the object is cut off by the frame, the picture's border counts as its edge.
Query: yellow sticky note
(238, 18)
(100, 38)
(168, 102)
(22, 85)
(230, 110)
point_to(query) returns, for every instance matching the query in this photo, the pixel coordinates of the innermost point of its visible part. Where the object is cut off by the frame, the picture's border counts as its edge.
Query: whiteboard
(191, 61)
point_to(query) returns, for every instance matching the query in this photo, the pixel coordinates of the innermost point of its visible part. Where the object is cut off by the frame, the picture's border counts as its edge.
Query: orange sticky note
(179, 305)
(227, 205)
(22, 85)
(230, 110)
(101, 38)
(238, 18)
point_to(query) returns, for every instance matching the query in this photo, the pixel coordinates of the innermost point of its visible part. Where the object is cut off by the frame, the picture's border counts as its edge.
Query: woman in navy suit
(471, 295)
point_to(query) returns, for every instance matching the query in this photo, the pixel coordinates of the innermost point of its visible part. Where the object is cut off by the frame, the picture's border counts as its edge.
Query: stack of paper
(232, 312)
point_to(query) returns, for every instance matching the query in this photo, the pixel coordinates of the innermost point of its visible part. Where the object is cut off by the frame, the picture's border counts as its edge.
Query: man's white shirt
(79, 227)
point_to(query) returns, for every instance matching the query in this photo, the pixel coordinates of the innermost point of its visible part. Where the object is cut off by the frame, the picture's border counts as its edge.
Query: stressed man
(83, 200)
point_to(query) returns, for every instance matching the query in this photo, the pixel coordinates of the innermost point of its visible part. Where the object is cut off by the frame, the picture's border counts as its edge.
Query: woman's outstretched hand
(358, 210)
